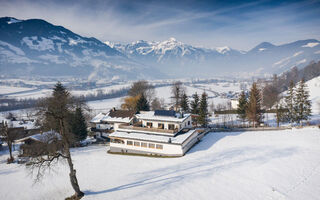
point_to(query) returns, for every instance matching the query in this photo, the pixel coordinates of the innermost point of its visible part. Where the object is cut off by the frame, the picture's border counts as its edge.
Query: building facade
(161, 133)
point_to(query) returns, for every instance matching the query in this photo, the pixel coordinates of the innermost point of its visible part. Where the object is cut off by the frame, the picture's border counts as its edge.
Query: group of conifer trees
(197, 106)
(295, 108)
(250, 108)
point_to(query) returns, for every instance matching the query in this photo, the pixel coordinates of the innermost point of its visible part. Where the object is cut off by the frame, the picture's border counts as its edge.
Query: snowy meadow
(224, 165)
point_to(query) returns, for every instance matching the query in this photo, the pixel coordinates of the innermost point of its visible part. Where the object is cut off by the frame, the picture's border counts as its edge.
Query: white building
(161, 132)
(234, 104)
(105, 123)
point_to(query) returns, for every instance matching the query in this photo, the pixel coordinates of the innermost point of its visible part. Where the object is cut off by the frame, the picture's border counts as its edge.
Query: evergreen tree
(242, 107)
(302, 104)
(184, 104)
(142, 104)
(78, 125)
(254, 112)
(289, 101)
(195, 104)
(203, 110)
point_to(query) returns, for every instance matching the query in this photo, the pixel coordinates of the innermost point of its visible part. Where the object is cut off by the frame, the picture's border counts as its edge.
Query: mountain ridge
(37, 47)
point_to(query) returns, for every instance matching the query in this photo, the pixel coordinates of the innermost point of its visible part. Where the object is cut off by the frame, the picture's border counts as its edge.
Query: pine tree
(195, 104)
(142, 104)
(78, 125)
(242, 107)
(254, 112)
(289, 101)
(203, 110)
(302, 104)
(184, 104)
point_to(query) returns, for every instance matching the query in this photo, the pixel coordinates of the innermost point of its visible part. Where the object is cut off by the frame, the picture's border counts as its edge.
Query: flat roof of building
(150, 115)
(178, 139)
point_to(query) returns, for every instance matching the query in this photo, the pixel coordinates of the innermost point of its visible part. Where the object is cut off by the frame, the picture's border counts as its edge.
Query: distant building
(234, 104)
(160, 132)
(49, 138)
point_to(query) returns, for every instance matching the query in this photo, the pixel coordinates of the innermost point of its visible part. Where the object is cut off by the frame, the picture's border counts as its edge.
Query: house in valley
(160, 132)
(39, 144)
(105, 123)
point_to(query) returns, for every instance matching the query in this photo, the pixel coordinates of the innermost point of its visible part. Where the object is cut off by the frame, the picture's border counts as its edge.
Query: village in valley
(145, 126)
(162, 100)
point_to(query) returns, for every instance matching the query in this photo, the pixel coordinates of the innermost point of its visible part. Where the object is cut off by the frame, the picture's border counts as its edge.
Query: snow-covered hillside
(168, 50)
(230, 165)
(314, 91)
(173, 56)
(36, 47)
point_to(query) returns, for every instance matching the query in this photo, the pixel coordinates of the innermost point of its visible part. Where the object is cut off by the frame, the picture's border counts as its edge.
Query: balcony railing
(138, 127)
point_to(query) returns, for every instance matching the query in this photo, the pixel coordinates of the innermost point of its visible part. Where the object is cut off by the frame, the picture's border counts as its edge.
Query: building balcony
(139, 128)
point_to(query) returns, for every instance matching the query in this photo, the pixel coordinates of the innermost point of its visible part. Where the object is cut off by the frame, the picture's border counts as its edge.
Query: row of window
(144, 144)
(161, 125)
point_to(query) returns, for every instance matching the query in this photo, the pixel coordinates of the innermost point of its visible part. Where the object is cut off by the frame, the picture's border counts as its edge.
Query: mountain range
(35, 47)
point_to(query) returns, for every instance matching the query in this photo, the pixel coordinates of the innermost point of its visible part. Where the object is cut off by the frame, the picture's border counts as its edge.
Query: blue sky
(238, 24)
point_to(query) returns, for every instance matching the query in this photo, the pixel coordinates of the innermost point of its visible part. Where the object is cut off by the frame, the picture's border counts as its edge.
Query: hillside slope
(35, 47)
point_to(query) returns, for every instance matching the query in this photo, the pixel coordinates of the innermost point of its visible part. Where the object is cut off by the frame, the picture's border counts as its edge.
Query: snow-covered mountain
(176, 57)
(36, 47)
(171, 52)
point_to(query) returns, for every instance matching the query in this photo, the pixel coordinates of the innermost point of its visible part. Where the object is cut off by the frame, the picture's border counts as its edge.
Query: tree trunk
(72, 174)
(10, 150)
(73, 177)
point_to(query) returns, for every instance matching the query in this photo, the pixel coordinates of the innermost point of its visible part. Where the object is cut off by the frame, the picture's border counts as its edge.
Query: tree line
(142, 98)
(294, 107)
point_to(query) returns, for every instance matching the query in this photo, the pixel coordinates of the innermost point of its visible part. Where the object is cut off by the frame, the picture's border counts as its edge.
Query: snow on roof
(151, 116)
(98, 118)
(42, 137)
(25, 124)
(114, 116)
(123, 116)
(178, 139)
(116, 119)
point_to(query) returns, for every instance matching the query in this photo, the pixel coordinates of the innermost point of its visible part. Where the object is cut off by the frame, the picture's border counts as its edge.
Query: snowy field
(10, 89)
(230, 165)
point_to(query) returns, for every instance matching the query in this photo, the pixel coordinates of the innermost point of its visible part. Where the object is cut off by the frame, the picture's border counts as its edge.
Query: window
(160, 126)
(159, 146)
(129, 142)
(137, 144)
(149, 124)
(143, 144)
(117, 141)
(151, 145)
(171, 126)
(188, 122)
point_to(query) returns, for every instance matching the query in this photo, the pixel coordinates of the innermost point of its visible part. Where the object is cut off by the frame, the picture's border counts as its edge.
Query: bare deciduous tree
(142, 87)
(177, 90)
(157, 104)
(9, 134)
(53, 113)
